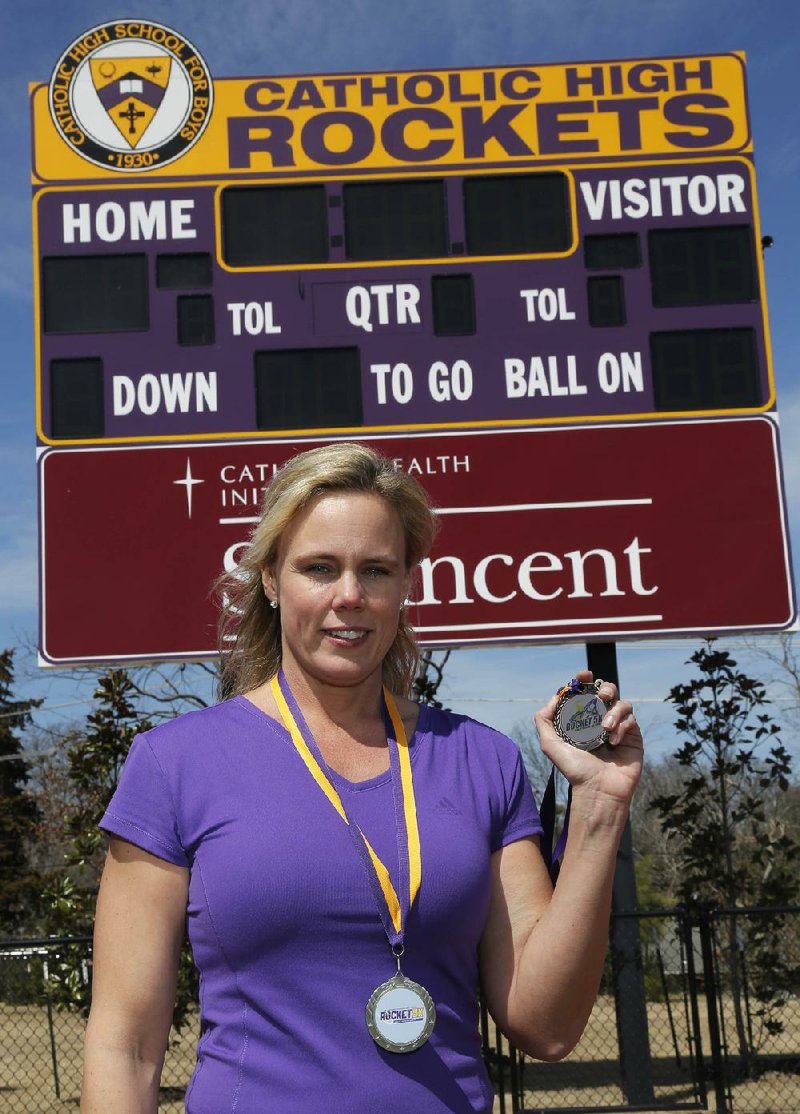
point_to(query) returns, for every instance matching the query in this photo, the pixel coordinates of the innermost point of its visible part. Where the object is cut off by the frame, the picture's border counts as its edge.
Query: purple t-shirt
(282, 919)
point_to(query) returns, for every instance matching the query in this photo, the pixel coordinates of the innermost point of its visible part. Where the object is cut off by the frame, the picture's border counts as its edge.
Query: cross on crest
(131, 115)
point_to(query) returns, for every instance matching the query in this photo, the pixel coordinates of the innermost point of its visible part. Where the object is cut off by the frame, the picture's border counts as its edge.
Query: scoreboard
(431, 254)
(351, 304)
(501, 267)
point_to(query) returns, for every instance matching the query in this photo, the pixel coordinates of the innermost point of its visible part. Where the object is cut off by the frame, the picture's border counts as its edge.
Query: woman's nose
(348, 591)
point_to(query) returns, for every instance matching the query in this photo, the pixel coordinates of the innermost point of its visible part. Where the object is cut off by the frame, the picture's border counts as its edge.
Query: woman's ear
(268, 583)
(412, 583)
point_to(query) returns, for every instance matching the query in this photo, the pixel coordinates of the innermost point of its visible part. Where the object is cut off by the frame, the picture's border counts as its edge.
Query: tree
(724, 823)
(18, 811)
(781, 657)
(157, 691)
(94, 763)
(658, 871)
(170, 689)
(49, 784)
(537, 766)
(430, 674)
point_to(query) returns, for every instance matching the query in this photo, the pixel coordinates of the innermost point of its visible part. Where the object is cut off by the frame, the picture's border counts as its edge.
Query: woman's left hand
(611, 771)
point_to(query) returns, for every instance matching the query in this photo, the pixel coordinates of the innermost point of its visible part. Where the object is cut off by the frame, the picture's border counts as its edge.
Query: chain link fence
(719, 1025)
(755, 976)
(41, 1047)
(665, 1072)
(719, 1021)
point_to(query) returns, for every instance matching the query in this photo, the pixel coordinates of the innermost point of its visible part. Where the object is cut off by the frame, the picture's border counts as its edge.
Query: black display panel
(184, 271)
(705, 369)
(395, 220)
(271, 225)
(453, 299)
(95, 294)
(308, 387)
(196, 319)
(613, 252)
(517, 214)
(606, 297)
(76, 399)
(702, 266)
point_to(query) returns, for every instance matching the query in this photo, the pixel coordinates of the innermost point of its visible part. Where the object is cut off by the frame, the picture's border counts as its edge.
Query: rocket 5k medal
(579, 715)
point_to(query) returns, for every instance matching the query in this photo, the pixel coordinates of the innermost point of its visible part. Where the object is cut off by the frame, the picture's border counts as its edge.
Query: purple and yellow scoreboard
(422, 260)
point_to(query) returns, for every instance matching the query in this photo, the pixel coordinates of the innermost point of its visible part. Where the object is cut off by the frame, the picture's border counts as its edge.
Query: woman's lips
(350, 635)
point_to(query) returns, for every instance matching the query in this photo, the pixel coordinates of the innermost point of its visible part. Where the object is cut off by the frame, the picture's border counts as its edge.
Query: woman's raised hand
(611, 771)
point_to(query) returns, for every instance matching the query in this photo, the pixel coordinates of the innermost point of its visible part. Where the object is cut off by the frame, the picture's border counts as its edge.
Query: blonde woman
(351, 866)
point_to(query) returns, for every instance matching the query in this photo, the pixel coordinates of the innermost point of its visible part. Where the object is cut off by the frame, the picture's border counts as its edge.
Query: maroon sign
(605, 532)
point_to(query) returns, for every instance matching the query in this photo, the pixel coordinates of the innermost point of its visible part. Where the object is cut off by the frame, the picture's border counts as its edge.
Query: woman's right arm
(139, 928)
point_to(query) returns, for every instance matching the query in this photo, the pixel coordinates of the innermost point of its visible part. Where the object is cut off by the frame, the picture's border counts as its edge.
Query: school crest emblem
(131, 95)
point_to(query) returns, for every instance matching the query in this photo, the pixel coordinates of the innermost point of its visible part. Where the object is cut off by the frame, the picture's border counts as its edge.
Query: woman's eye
(376, 571)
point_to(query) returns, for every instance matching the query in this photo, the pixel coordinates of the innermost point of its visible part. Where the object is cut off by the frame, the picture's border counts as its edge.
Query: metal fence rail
(669, 1072)
(720, 992)
(755, 968)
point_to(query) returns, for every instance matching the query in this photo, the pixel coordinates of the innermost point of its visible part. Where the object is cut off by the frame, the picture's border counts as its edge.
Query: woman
(350, 864)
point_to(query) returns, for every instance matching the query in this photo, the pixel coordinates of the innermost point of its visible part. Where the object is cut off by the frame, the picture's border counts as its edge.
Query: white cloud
(18, 520)
(18, 562)
(15, 265)
(782, 160)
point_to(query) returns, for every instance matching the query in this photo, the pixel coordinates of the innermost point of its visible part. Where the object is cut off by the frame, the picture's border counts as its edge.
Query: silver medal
(579, 715)
(400, 1014)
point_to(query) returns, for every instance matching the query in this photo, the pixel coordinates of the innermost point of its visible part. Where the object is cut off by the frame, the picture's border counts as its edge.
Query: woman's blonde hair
(249, 628)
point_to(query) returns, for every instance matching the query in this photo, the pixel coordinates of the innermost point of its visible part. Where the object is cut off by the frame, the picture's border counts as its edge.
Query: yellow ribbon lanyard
(409, 802)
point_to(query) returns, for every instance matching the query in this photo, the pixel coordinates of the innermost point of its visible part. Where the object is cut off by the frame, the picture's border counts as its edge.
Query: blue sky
(243, 38)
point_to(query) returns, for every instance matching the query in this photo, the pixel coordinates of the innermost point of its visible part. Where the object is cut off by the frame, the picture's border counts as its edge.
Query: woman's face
(340, 580)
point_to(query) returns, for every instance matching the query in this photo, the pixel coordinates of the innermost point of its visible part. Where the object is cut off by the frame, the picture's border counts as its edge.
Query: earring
(273, 604)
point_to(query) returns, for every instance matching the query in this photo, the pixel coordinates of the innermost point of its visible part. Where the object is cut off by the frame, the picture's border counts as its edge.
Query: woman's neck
(346, 723)
(349, 707)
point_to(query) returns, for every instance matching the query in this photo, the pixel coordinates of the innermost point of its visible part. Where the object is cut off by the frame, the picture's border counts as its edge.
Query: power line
(44, 708)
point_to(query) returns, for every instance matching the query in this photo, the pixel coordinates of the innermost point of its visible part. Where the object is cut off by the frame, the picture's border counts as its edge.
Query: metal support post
(626, 952)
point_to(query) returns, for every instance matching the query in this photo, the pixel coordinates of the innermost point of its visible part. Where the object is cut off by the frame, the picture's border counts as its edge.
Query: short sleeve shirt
(283, 921)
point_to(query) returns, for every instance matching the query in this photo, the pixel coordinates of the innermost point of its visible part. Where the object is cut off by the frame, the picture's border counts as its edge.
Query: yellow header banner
(125, 102)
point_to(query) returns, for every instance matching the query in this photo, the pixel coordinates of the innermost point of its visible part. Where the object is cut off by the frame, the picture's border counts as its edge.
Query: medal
(579, 715)
(400, 1013)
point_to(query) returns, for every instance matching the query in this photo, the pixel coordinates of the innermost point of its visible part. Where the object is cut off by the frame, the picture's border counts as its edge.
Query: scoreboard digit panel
(500, 297)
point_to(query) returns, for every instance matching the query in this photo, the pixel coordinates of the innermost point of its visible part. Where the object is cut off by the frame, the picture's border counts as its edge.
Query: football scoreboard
(470, 257)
